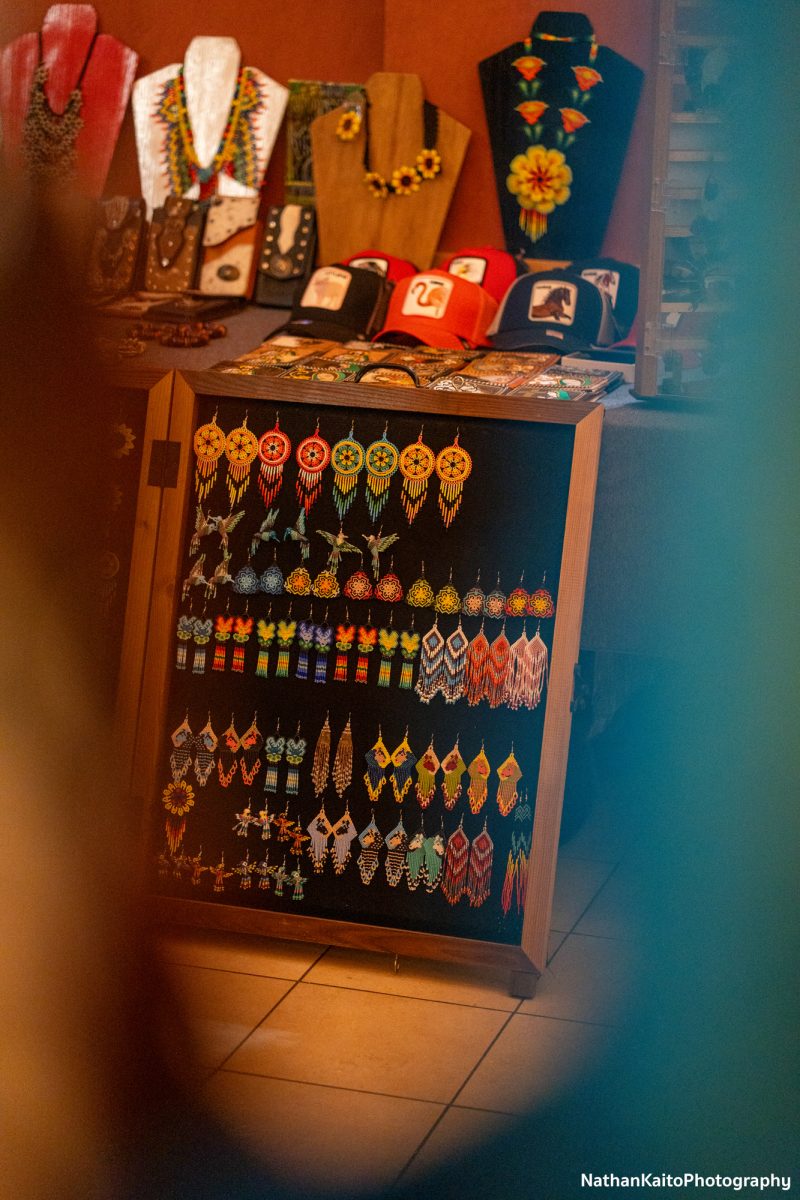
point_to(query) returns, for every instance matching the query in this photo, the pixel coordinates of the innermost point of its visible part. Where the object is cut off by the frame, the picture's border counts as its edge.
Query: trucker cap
(557, 309)
(392, 268)
(340, 303)
(494, 270)
(440, 309)
(620, 282)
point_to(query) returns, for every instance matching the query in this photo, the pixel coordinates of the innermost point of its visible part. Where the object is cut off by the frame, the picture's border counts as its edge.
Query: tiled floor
(313, 1054)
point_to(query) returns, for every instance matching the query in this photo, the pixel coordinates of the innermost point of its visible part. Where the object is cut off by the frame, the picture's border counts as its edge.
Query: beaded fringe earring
(456, 860)
(427, 769)
(342, 773)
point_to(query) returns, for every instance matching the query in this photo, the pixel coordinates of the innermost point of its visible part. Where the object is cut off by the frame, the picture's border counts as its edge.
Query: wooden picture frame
(145, 684)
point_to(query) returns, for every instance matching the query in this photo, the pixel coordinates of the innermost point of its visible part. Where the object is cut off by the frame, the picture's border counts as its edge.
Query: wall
(346, 40)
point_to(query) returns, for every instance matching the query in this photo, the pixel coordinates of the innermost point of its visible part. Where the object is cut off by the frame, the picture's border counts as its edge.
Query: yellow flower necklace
(404, 180)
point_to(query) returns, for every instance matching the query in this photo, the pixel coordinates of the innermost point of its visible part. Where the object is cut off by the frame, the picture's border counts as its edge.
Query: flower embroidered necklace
(540, 178)
(404, 180)
(237, 153)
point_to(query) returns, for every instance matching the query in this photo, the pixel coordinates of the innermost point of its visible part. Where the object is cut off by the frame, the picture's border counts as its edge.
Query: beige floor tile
(587, 980)
(345, 1038)
(423, 979)
(614, 913)
(577, 883)
(459, 1128)
(556, 939)
(223, 1007)
(321, 1136)
(239, 952)
(532, 1061)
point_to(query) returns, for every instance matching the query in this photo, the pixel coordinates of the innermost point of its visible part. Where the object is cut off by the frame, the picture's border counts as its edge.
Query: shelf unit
(681, 326)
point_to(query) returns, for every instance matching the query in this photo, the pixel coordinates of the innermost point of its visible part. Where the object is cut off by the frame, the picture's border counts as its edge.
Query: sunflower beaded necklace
(404, 180)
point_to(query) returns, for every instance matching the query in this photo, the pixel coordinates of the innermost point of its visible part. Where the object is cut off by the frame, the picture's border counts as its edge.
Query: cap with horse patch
(557, 309)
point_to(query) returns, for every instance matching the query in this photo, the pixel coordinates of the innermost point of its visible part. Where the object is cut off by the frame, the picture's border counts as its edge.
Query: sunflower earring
(453, 466)
(382, 459)
(420, 594)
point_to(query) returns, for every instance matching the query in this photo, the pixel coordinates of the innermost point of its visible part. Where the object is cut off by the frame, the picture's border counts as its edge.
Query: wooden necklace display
(207, 125)
(390, 183)
(63, 94)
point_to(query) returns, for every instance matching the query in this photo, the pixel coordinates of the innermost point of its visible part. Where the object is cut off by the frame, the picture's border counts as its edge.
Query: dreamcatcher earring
(295, 753)
(347, 460)
(344, 831)
(202, 636)
(345, 636)
(377, 759)
(403, 762)
(367, 641)
(540, 602)
(453, 767)
(497, 665)
(342, 773)
(453, 466)
(431, 664)
(475, 667)
(371, 841)
(181, 755)
(177, 799)
(396, 847)
(509, 774)
(265, 633)
(456, 858)
(209, 443)
(274, 449)
(322, 755)
(409, 649)
(427, 768)
(205, 745)
(250, 761)
(227, 762)
(479, 875)
(319, 831)
(241, 448)
(382, 458)
(223, 628)
(478, 771)
(416, 463)
(305, 642)
(242, 629)
(323, 642)
(454, 665)
(420, 594)
(388, 639)
(285, 635)
(313, 455)
(273, 752)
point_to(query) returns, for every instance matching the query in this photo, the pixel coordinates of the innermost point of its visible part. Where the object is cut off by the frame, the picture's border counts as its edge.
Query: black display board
(520, 517)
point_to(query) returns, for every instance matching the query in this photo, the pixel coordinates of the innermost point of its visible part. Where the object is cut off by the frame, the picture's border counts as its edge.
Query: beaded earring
(285, 634)
(347, 460)
(388, 640)
(319, 831)
(431, 664)
(295, 753)
(453, 466)
(265, 532)
(271, 581)
(209, 444)
(227, 762)
(540, 602)
(313, 455)
(396, 847)
(403, 762)
(409, 649)
(494, 606)
(359, 585)
(377, 759)
(376, 544)
(382, 459)
(273, 753)
(479, 875)
(241, 448)
(474, 600)
(367, 641)
(427, 769)
(265, 634)
(223, 628)
(250, 761)
(453, 766)
(517, 602)
(447, 599)
(389, 589)
(274, 449)
(180, 758)
(342, 773)
(323, 641)
(371, 841)
(454, 665)
(475, 667)
(305, 642)
(345, 636)
(343, 832)
(297, 533)
(322, 754)
(205, 744)
(509, 774)
(184, 633)
(478, 771)
(456, 859)
(242, 630)
(420, 594)
(203, 627)
(416, 463)
(497, 665)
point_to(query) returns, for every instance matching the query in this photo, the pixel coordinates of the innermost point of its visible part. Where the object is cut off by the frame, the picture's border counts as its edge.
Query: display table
(647, 455)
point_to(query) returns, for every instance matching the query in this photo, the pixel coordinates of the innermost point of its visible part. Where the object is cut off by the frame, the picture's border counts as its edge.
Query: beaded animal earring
(343, 832)
(478, 771)
(453, 766)
(273, 753)
(242, 629)
(388, 639)
(319, 831)
(223, 628)
(202, 636)
(409, 649)
(295, 753)
(285, 635)
(367, 641)
(227, 762)
(345, 637)
(184, 633)
(305, 642)
(323, 643)
(403, 762)
(250, 761)
(377, 759)
(427, 769)
(371, 841)
(265, 634)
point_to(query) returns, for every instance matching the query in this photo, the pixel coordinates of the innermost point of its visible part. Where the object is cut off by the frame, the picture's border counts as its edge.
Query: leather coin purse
(173, 248)
(231, 240)
(287, 254)
(116, 251)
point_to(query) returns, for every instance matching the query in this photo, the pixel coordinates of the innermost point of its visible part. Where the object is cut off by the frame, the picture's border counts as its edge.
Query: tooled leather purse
(173, 248)
(287, 254)
(231, 241)
(117, 245)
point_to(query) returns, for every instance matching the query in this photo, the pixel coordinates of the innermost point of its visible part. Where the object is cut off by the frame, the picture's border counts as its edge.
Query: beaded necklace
(49, 138)
(237, 153)
(405, 179)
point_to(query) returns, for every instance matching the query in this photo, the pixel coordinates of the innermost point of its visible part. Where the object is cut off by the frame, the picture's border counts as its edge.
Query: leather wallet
(116, 251)
(173, 248)
(287, 254)
(231, 241)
